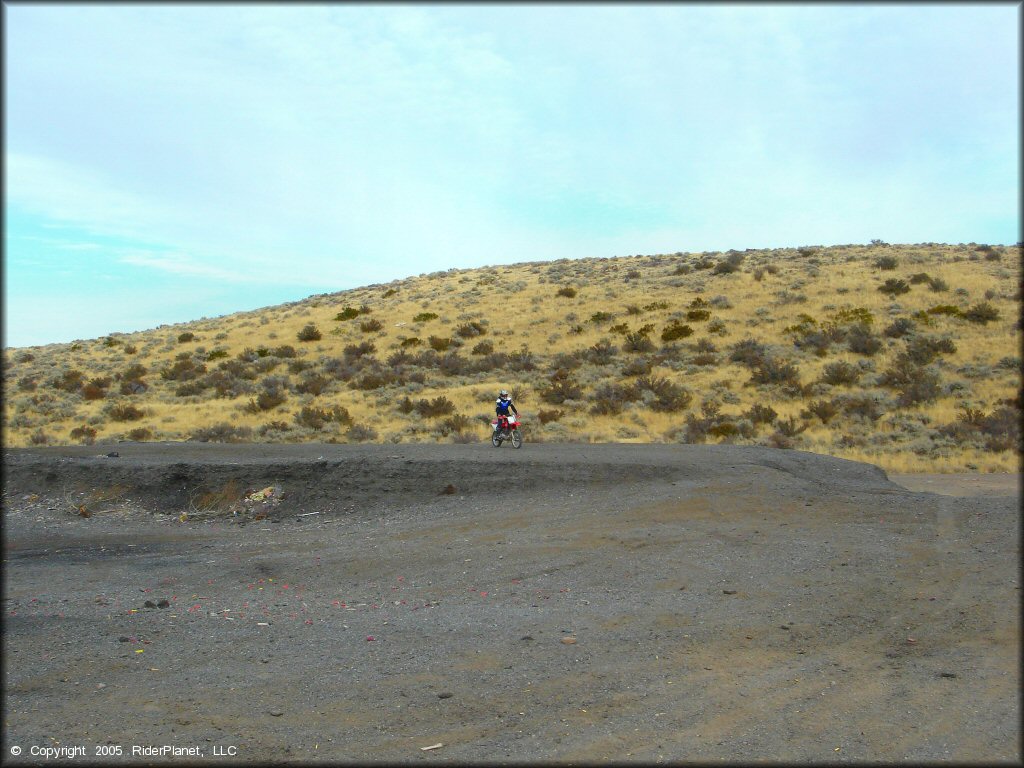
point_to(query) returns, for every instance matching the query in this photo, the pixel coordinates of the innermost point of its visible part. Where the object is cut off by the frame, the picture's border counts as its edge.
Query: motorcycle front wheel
(517, 439)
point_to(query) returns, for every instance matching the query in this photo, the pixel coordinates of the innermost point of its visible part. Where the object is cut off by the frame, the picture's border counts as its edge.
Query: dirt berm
(559, 603)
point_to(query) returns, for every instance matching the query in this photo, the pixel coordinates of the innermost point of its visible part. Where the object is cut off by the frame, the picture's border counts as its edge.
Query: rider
(504, 405)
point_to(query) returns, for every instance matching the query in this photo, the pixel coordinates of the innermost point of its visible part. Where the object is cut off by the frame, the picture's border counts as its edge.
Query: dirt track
(567, 603)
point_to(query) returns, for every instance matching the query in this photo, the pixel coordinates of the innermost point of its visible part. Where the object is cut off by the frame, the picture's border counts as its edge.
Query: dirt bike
(506, 428)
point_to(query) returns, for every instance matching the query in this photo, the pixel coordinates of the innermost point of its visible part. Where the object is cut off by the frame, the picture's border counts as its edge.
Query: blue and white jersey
(503, 407)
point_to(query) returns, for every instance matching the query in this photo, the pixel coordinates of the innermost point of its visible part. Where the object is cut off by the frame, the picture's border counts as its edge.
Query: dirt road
(562, 603)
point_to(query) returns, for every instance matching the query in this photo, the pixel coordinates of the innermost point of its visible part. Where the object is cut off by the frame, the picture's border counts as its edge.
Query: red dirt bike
(506, 428)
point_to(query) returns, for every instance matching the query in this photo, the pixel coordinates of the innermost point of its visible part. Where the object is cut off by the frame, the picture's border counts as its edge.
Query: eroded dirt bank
(559, 603)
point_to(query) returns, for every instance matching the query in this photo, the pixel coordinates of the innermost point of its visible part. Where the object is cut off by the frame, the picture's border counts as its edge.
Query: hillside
(905, 356)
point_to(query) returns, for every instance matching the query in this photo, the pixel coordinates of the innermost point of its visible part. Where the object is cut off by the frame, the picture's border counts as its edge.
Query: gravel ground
(559, 603)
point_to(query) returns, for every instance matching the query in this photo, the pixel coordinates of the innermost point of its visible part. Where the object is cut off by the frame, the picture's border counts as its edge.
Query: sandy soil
(565, 603)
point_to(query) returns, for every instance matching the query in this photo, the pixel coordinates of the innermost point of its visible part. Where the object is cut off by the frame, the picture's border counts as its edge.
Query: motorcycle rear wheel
(496, 440)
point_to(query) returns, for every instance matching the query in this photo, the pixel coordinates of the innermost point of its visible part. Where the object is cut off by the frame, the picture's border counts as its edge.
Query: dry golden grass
(519, 307)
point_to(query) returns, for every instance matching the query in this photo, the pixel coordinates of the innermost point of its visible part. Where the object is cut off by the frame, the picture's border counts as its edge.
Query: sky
(165, 163)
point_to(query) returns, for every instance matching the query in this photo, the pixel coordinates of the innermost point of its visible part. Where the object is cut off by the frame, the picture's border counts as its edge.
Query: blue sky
(167, 162)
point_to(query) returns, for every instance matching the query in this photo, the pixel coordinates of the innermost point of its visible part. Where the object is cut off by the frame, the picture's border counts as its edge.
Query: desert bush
(861, 340)
(922, 350)
(894, 287)
(183, 370)
(567, 291)
(470, 330)
(789, 427)
(639, 366)
(730, 264)
(318, 418)
(633, 309)
(309, 333)
(919, 277)
(913, 383)
(93, 391)
(748, 352)
(425, 317)
(140, 434)
(439, 344)
(133, 387)
(375, 377)
(673, 331)
(950, 310)
(886, 262)
(610, 398)
(361, 433)
(602, 353)
(185, 337)
(697, 314)
(717, 326)
(900, 327)
(314, 384)
(273, 426)
(216, 354)
(455, 424)
(682, 269)
(546, 416)
(350, 313)
(222, 433)
(769, 370)
(123, 412)
(561, 386)
(761, 414)
(841, 374)
(654, 306)
(982, 313)
(371, 326)
(27, 384)
(84, 433)
(601, 317)
(432, 409)
(938, 285)
(825, 410)
(704, 359)
(69, 381)
(354, 352)
(39, 437)
(190, 388)
(412, 341)
(638, 342)
(666, 396)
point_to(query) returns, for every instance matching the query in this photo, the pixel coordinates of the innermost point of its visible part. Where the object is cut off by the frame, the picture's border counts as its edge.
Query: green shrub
(84, 433)
(982, 313)
(140, 434)
(439, 344)
(567, 291)
(610, 398)
(949, 310)
(789, 427)
(92, 391)
(471, 330)
(216, 354)
(655, 306)
(546, 416)
(938, 285)
(561, 386)
(186, 337)
(860, 340)
(667, 396)
(314, 384)
(222, 433)
(825, 410)
(841, 374)
(761, 414)
(412, 341)
(69, 381)
(317, 418)
(371, 326)
(697, 314)
(675, 330)
(309, 333)
(350, 313)
(894, 287)
(886, 262)
(730, 264)
(356, 351)
(769, 370)
(748, 352)
(900, 327)
(914, 383)
(483, 348)
(920, 277)
(124, 412)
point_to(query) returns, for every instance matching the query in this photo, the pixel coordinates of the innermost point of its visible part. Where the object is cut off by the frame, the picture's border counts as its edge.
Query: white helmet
(503, 393)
